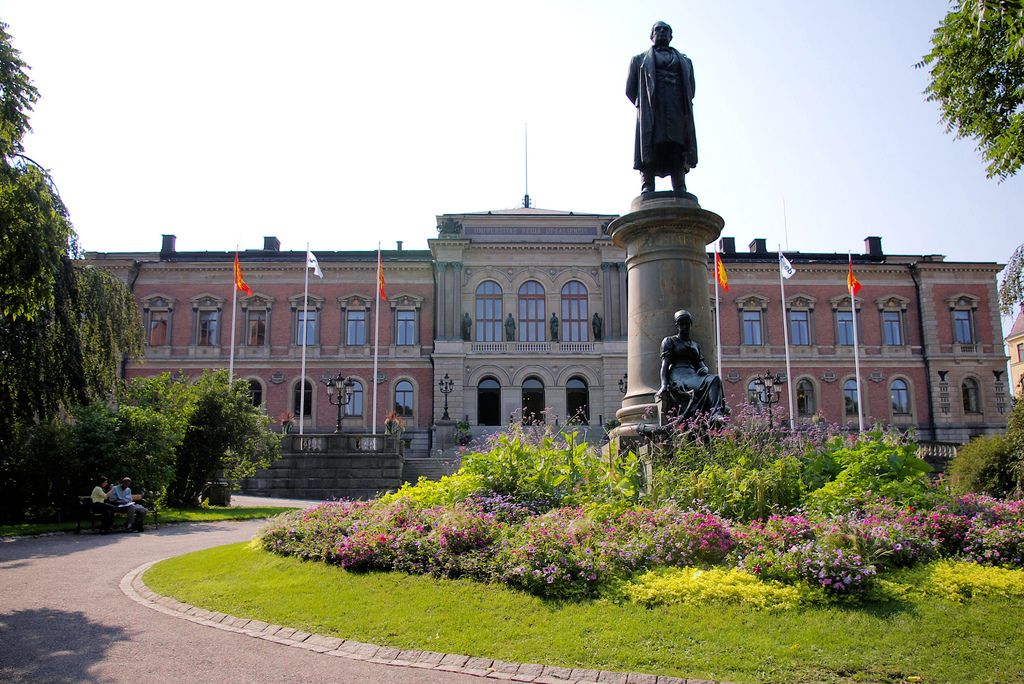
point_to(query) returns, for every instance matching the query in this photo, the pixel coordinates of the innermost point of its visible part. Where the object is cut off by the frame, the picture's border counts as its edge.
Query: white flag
(786, 267)
(312, 263)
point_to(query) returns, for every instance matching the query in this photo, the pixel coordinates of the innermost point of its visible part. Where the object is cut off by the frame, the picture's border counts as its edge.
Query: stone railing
(533, 347)
(341, 442)
(937, 454)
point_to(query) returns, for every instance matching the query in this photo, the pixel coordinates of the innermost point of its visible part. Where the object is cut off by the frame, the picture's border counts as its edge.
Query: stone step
(430, 468)
(324, 494)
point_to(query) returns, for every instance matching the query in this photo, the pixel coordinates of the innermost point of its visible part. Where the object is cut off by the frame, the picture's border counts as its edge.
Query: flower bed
(570, 553)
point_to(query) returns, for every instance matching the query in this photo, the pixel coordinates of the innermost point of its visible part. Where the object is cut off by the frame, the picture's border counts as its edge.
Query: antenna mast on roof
(526, 166)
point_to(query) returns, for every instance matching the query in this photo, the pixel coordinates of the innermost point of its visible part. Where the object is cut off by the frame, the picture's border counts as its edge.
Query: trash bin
(218, 493)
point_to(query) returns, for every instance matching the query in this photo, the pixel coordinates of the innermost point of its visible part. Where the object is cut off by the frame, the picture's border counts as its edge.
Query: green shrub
(958, 581)
(876, 466)
(1015, 442)
(563, 469)
(693, 586)
(983, 466)
(449, 490)
(739, 492)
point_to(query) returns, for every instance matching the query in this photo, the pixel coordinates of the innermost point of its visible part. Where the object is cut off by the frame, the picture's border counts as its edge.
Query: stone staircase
(430, 468)
(334, 466)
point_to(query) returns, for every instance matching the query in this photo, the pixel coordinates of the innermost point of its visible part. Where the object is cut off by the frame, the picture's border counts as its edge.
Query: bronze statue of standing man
(661, 86)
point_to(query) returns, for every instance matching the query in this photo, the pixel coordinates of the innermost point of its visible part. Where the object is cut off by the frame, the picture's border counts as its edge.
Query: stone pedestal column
(665, 237)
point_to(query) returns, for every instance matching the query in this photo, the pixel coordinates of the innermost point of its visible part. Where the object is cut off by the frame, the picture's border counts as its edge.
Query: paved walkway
(63, 618)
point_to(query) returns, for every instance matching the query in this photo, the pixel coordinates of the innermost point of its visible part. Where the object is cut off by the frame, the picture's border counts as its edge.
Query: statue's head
(661, 34)
(683, 320)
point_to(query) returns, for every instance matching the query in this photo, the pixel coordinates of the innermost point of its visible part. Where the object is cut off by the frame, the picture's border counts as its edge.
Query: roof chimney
(271, 244)
(167, 246)
(873, 246)
(758, 246)
(727, 245)
(399, 243)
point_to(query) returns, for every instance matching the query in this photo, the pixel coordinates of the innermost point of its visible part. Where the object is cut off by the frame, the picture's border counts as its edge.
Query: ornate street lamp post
(340, 389)
(446, 385)
(624, 383)
(769, 390)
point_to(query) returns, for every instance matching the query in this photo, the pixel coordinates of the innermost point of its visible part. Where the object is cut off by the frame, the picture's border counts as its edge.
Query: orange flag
(723, 277)
(380, 278)
(852, 284)
(239, 280)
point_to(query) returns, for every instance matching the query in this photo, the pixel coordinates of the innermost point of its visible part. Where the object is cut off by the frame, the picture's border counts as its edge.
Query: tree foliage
(224, 433)
(171, 435)
(1011, 289)
(65, 329)
(977, 77)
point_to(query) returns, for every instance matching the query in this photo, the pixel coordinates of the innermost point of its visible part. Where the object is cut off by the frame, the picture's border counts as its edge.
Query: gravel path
(63, 618)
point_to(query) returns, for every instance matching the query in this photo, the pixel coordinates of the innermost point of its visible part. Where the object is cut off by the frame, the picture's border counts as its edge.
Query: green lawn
(928, 640)
(170, 515)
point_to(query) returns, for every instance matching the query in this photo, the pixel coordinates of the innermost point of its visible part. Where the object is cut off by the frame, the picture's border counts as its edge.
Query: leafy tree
(64, 328)
(1015, 445)
(984, 465)
(224, 432)
(1011, 289)
(977, 77)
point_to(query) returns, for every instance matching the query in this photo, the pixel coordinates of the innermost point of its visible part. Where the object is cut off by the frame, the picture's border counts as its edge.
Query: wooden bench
(95, 518)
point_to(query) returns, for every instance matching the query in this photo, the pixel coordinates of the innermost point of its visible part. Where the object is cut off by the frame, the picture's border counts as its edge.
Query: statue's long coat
(640, 89)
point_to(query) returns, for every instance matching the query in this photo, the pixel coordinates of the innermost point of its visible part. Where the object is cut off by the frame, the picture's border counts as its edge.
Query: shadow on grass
(56, 646)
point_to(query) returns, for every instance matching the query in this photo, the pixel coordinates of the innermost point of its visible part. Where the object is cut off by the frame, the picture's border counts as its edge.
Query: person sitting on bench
(100, 505)
(121, 497)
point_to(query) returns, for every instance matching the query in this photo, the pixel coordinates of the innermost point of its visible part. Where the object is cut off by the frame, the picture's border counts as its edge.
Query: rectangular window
(892, 328)
(208, 325)
(1020, 352)
(799, 328)
(752, 327)
(256, 330)
(158, 328)
(963, 331)
(531, 319)
(355, 327)
(406, 328)
(305, 328)
(844, 328)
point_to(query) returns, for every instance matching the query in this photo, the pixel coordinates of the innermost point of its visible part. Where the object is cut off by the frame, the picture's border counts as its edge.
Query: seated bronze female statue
(687, 386)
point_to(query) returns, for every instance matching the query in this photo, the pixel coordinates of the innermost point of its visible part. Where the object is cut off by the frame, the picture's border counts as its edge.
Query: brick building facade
(931, 347)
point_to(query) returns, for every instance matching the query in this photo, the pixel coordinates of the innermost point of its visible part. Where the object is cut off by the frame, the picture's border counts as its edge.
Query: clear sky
(344, 124)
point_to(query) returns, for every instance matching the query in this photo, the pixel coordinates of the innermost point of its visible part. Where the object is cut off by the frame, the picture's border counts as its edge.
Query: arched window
(754, 395)
(305, 407)
(969, 389)
(488, 312)
(533, 400)
(531, 312)
(575, 316)
(256, 393)
(403, 398)
(488, 402)
(577, 401)
(899, 396)
(805, 404)
(851, 403)
(355, 405)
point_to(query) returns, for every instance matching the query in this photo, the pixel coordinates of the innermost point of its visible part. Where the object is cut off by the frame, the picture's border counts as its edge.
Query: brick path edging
(135, 589)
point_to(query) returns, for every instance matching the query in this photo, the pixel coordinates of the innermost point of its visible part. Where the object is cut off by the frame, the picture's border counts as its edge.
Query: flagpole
(234, 308)
(376, 336)
(856, 351)
(785, 339)
(302, 373)
(718, 316)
